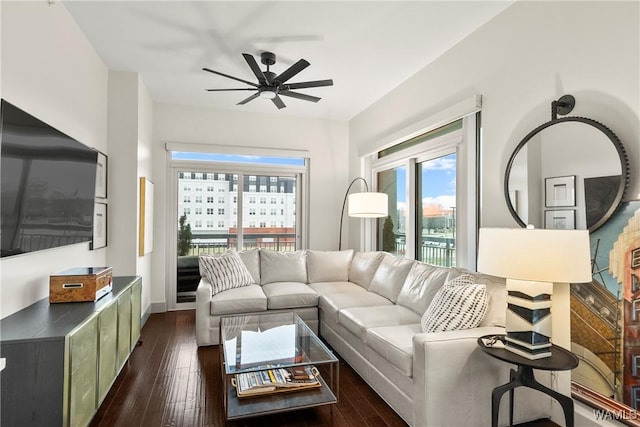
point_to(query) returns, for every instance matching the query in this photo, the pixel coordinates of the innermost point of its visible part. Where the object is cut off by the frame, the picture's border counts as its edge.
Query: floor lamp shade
(368, 205)
(531, 261)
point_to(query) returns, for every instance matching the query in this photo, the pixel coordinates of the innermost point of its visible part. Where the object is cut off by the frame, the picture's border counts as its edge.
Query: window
(198, 199)
(273, 201)
(232, 220)
(198, 211)
(274, 212)
(427, 180)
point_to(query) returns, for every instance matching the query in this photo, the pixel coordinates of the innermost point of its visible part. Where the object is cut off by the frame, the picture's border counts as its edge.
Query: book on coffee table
(276, 380)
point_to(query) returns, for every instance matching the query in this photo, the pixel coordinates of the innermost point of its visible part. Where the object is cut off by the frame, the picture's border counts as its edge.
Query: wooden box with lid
(80, 284)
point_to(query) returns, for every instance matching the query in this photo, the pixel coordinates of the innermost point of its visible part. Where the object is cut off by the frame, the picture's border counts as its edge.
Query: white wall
(325, 140)
(52, 72)
(529, 55)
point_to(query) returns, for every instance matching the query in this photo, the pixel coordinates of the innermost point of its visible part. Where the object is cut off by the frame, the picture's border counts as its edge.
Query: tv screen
(47, 182)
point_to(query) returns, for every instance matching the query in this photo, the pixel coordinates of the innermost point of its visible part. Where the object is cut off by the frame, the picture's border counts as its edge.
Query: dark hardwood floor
(169, 381)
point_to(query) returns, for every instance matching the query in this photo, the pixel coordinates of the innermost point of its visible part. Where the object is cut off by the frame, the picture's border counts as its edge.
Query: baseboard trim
(158, 307)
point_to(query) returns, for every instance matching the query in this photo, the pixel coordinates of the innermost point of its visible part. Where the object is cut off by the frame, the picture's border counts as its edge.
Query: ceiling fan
(271, 86)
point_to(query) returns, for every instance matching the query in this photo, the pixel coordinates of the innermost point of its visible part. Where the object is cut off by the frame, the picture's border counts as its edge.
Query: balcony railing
(214, 244)
(434, 250)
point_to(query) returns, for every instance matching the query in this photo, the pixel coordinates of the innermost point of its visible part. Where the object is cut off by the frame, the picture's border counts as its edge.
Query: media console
(62, 359)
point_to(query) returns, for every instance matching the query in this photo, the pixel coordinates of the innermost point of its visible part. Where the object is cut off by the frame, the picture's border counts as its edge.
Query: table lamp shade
(531, 261)
(368, 205)
(559, 256)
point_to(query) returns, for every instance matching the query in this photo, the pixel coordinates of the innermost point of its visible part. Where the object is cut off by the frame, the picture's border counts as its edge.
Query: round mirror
(568, 173)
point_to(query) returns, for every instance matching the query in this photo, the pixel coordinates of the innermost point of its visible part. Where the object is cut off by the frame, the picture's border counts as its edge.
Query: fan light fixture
(267, 94)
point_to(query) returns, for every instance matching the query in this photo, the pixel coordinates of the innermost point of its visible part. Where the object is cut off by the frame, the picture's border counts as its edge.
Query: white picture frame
(560, 219)
(99, 239)
(560, 191)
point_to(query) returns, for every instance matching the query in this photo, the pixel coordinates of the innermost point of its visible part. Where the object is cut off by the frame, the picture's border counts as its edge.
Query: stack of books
(276, 380)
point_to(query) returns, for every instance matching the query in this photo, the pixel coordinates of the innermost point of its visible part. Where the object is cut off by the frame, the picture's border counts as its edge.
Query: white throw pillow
(225, 272)
(459, 304)
(283, 266)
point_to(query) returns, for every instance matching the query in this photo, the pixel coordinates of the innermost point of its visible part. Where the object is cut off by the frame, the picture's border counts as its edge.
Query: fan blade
(229, 77)
(303, 85)
(299, 96)
(292, 71)
(251, 98)
(222, 90)
(255, 68)
(278, 102)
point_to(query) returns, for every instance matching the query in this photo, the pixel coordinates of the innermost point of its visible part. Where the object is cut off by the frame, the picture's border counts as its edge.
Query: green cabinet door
(107, 350)
(83, 353)
(136, 311)
(124, 327)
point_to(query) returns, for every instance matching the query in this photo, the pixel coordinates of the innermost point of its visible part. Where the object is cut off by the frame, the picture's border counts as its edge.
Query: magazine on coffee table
(276, 380)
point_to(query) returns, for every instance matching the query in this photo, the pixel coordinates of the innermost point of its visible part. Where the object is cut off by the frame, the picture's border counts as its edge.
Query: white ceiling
(367, 48)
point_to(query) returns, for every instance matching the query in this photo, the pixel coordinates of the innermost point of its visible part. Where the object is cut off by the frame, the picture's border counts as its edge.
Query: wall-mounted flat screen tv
(47, 182)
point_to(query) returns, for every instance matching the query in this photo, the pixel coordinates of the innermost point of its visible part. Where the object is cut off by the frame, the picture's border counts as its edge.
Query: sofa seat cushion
(358, 319)
(239, 300)
(331, 304)
(289, 295)
(395, 344)
(323, 288)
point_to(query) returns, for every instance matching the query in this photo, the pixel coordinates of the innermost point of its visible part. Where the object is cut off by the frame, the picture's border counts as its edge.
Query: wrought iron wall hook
(562, 106)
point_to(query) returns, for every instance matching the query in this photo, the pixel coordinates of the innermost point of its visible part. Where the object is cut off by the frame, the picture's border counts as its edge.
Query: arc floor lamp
(367, 204)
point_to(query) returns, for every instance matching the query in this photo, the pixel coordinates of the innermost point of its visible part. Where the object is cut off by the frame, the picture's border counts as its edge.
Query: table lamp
(532, 260)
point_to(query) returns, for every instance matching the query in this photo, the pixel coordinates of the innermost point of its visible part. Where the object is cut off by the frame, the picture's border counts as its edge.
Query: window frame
(464, 143)
(237, 170)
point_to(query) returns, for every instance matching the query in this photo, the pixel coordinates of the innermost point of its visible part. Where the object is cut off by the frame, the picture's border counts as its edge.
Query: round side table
(560, 360)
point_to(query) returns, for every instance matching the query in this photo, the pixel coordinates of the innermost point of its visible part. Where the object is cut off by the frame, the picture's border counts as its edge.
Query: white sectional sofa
(368, 307)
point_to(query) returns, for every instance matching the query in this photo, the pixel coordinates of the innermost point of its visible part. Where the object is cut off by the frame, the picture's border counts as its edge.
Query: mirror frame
(622, 154)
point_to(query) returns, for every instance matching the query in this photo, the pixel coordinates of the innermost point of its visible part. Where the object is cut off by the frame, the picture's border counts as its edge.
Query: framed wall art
(560, 191)
(560, 219)
(99, 226)
(146, 217)
(101, 176)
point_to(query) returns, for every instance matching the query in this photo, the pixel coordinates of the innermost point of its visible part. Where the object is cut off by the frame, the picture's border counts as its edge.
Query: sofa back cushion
(390, 276)
(282, 266)
(421, 285)
(328, 266)
(363, 267)
(496, 295)
(251, 260)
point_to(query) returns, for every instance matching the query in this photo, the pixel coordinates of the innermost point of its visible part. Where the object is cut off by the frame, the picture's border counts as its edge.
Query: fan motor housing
(268, 58)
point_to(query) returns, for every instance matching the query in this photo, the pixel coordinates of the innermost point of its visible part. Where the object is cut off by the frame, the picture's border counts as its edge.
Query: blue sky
(439, 181)
(234, 158)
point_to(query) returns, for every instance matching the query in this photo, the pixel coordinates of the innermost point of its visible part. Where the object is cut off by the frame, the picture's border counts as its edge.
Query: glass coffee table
(259, 342)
